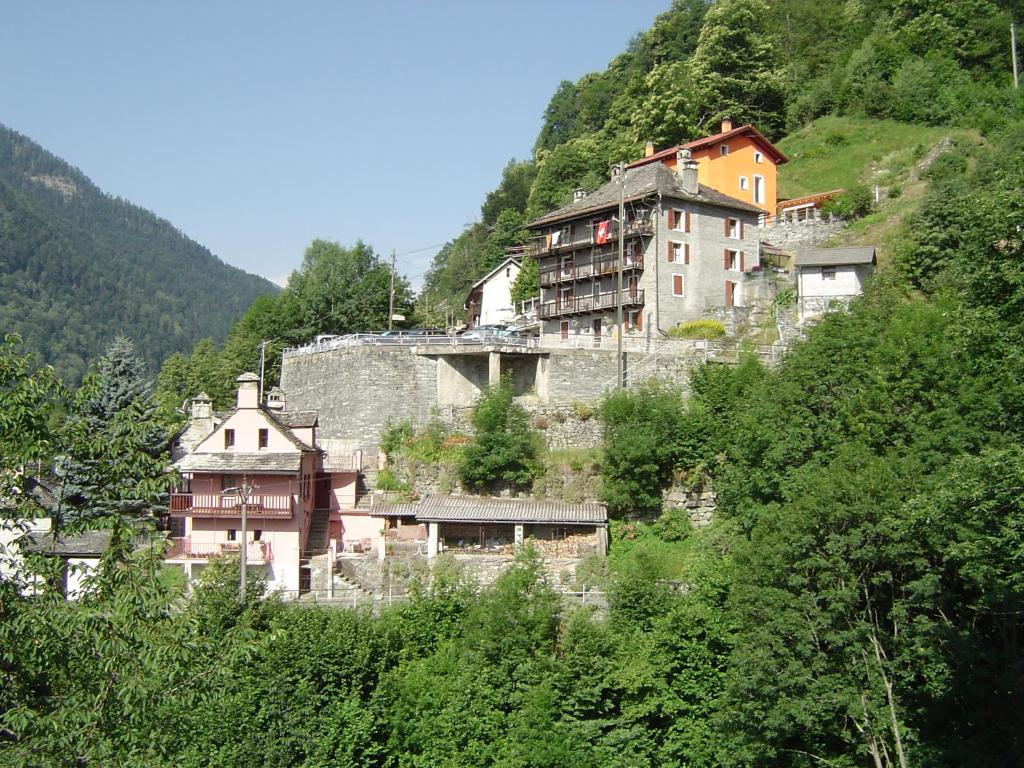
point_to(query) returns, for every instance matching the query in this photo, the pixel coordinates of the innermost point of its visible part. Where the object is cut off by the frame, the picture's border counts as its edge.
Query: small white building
(829, 277)
(490, 299)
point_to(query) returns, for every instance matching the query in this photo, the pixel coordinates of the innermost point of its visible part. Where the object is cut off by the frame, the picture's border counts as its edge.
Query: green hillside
(78, 267)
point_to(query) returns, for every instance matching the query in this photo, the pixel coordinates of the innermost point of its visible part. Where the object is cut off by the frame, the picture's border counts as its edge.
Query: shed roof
(231, 461)
(835, 257)
(458, 509)
(84, 544)
(641, 182)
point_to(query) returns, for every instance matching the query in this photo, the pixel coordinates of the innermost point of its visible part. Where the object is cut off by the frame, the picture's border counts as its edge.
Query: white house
(828, 277)
(490, 299)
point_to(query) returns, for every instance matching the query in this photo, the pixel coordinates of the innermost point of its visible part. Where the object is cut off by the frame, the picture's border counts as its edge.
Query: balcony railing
(256, 552)
(577, 305)
(591, 268)
(230, 505)
(586, 236)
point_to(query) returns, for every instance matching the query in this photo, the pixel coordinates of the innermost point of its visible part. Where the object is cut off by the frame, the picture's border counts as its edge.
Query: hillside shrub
(503, 449)
(394, 437)
(705, 328)
(851, 204)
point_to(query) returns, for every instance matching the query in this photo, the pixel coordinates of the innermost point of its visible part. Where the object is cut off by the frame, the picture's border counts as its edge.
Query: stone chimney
(202, 408)
(248, 390)
(616, 171)
(726, 124)
(275, 399)
(579, 194)
(648, 149)
(686, 169)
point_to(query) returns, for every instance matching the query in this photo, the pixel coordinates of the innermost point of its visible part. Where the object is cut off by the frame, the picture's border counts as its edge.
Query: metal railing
(586, 236)
(589, 268)
(593, 303)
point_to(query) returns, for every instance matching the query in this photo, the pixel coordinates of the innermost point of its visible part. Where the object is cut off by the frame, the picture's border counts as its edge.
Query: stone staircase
(365, 482)
(348, 591)
(316, 537)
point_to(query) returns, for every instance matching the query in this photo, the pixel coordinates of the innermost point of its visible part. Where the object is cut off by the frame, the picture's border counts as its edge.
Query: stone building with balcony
(299, 493)
(687, 247)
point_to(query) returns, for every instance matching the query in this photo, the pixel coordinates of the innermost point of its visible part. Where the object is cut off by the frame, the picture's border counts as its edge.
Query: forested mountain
(78, 267)
(776, 63)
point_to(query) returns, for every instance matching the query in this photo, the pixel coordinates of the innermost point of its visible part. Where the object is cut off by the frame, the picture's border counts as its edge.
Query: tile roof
(711, 140)
(405, 509)
(87, 543)
(642, 182)
(835, 257)
(230, 461)
(457, 509)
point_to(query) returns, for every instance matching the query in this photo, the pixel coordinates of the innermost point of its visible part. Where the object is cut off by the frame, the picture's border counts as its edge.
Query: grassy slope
(839, 152)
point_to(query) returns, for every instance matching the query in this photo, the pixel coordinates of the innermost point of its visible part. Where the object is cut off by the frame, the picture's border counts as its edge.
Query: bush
(504, 448)
(698, 329)
(851, 204)
(395, 437)
(387, 480)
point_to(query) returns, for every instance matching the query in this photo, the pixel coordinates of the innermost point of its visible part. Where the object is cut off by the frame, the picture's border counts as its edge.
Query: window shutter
(671, 253)
(725, 259)
(686, 253)
(741, 229)
(671, 218)
(742, 269)
(726, 222)
(686, 222)
(640, 320)
(677, 285)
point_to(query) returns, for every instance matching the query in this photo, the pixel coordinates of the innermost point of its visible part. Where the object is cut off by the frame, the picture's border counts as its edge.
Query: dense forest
(78, 267)
(857, 600)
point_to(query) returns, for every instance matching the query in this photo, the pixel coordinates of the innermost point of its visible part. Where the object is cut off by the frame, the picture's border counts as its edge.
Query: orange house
(738, 162)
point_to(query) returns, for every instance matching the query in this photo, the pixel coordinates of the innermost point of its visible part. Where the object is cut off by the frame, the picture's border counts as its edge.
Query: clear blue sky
(255, 127)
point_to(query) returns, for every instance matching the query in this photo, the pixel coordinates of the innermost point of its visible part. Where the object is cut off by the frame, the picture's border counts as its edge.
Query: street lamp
(244, 492)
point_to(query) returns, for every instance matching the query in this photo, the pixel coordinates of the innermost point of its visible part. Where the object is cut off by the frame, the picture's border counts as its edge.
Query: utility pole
(391, 294)
(243, 492)
(263, 355)
(1013, 52)
(621, 173)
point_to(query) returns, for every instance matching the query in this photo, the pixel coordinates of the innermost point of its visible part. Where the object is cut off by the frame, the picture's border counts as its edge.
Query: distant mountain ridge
(78, 267)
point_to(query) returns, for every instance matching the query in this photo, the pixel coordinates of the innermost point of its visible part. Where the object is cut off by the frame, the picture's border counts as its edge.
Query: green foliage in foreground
(504, 450)
(705, 328)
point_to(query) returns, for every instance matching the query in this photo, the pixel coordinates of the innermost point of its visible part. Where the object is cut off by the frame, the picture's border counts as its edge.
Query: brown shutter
(686, 253)
(640, 320)
(671, 254)
(741, 262)
(741, 229)
(677, 285)
(726, 226)
(671, 218)
(686, 222)
(725, 259)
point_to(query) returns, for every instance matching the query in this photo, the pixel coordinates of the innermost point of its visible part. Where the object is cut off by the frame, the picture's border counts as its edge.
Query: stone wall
(699, 502)
(810, 233)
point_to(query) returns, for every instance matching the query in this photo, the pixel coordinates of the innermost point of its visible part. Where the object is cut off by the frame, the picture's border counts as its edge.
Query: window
(257, 535)
(677, 285)
(758, 157)
(264, 437)
(232, 534)
(759, 189)
(634, 320)
(724, 149)
(733, 228)
(743, 182)
(732, 260)
(228, 481)
(508, 272)
(828, 273)
(679, 220)
(678, 253)
(229, 438)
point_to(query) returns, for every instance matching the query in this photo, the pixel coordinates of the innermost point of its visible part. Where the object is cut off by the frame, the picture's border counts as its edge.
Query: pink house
(300, 500)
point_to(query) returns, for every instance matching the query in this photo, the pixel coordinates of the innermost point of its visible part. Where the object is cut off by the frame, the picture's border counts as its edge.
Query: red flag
(602, 232)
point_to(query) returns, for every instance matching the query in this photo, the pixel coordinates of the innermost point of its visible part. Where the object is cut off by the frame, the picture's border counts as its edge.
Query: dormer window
(229, 438)
(264, 437)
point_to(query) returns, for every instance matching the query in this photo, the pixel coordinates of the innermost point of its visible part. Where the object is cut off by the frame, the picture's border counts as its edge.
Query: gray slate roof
(458, 509)
(293, 419)
(85, 544)
(835, 257)
(641, 182)
(232, 462)
(404, 509)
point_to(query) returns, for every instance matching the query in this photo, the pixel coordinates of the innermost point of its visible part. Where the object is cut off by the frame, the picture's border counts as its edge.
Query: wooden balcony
(261, 505)
(581, 270)
(585, 237)
(579, 305)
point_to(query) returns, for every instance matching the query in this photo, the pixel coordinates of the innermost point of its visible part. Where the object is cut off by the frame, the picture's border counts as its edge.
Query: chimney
(275, 399)
(648, 149)
(686, 169)
(616, 170)
(248, 390)
(202, 408)
(578, 194)
(726, 124)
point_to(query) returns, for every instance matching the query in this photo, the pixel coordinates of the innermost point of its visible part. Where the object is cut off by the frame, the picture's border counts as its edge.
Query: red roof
(710, 141)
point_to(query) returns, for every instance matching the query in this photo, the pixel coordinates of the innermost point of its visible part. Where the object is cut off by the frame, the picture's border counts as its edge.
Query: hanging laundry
(603, 229)
(556, 237)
